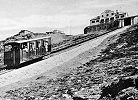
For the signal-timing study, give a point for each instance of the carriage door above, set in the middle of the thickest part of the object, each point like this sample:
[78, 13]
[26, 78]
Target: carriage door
[16, 55]
[49, 44]
[8, 55]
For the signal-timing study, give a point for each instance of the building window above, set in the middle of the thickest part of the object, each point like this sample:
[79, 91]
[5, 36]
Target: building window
[107, 14]
[117, 17]
[93, 21]
[122, 16]
[112, 13]
[102, 15]
[98, 17]
[111, 19]
[102, 21]
[97, 20]
[107, 20]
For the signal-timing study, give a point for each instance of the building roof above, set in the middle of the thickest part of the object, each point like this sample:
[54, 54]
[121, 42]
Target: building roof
[96, 18]
[23, 41]
[129, 17]
[107, 11]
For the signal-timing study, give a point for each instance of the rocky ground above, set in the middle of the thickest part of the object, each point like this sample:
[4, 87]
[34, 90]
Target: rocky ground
[113, 75]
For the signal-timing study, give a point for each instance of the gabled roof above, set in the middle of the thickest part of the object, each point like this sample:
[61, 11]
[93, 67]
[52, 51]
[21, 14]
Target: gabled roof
[107, 11]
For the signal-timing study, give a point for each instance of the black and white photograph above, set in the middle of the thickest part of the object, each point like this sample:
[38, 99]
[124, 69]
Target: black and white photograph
[68, 49]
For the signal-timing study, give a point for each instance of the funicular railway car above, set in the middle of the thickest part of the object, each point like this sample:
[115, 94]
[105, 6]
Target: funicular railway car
[21, 52]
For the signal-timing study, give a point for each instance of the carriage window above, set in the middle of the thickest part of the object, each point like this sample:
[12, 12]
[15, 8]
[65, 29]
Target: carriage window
[46, 45]
[23, 45]
[31, 46]
[8, 48]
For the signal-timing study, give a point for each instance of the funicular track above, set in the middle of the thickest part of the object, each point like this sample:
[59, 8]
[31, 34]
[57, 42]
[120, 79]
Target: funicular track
[61, 48]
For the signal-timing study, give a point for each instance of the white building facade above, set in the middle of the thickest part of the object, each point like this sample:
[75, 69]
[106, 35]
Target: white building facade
[107, 16]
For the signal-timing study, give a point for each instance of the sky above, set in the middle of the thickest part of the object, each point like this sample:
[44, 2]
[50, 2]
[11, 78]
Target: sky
[70, 16]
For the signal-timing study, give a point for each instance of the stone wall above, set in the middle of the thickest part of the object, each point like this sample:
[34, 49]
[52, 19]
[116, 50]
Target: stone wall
[101, 27]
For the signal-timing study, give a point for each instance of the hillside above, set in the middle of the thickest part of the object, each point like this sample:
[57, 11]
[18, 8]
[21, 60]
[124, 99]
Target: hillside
[56, 36]
[111, 75]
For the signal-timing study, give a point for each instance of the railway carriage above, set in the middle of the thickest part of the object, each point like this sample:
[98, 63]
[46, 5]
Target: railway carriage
[20, 52]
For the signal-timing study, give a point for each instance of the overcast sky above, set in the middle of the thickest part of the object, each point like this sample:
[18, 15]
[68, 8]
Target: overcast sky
[69, 15]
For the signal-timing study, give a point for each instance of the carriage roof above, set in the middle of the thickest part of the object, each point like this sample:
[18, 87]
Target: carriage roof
[23, 41]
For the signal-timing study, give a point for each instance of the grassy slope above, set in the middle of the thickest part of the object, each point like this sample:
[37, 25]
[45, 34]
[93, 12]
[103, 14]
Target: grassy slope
[112, 75]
